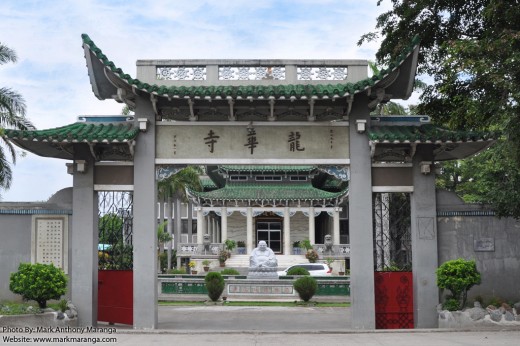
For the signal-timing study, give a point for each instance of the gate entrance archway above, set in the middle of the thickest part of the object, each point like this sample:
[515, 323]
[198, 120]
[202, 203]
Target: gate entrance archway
[254, 112]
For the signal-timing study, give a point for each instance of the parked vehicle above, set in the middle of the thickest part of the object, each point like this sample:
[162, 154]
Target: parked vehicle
[315, 269]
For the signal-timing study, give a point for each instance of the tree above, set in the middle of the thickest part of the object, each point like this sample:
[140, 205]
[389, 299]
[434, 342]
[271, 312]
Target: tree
[38, 282]
[458, 276]
[12, 115]
[175, 187]
[472, 51]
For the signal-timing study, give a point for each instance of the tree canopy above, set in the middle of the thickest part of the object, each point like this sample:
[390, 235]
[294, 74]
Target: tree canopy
[471, 50]
[12, 114]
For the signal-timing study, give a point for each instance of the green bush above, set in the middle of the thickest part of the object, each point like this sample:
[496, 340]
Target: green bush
[298, 271]
[451, 304]
[229, 271]
[306, 287]
[214, 285]
[181, 270]
[458, 276]
[38, 282]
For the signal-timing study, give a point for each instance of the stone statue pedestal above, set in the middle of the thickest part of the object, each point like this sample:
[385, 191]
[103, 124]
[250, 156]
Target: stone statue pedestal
[263, 273]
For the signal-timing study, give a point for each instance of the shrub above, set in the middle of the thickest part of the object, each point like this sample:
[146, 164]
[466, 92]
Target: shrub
[312, 255]
[298, 271]
[229, 271]
[177, 271]
[306, 287]
[214, 285]
[451, 304]
[458, 276]
[38, 282]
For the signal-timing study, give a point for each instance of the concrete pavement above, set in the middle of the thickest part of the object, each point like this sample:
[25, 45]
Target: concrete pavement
[226, 325]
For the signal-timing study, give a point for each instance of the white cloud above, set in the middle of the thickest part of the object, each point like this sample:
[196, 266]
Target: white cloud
[52, 76]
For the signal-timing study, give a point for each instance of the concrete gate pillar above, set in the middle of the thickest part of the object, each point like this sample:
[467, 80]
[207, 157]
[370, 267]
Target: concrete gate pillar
[145, 223]
[84, 271]
[360, 223]
[223, 220]
[312, 231]
[249, 230]
[424, 242]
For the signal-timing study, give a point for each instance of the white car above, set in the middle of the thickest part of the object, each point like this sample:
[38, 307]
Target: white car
[315, 269]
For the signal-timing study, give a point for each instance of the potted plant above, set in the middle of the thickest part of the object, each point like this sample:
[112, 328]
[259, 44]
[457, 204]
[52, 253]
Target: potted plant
[296, 248]
[230, 244]
[205, 265]
[329, 262]
[241, 247]
[312, 255]
[192, 265]
[222, 257]
[306, 245]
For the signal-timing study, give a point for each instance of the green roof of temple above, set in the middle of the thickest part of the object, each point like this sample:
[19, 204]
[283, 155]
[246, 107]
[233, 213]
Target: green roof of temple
[425, 134]
[79, 132]
[255, 91]
[208, 184]
[268, 191]
[267, 168]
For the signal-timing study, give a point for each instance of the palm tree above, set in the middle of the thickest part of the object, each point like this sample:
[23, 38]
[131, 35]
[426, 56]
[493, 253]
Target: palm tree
[12, 115]
[175, 187]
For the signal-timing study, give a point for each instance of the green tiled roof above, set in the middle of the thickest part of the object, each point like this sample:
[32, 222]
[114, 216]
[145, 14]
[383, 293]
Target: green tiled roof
[268, 191]
[208, 184]
[79, 132]
[267, 168]
[425, 134]
[303, 91]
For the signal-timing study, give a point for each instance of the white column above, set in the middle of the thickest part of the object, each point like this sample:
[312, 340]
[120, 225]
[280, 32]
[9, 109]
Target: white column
[214, 229]
[335, 235]
[312, 237]
[223, 220]
[201, 226]
[249, 228]
[287, 231]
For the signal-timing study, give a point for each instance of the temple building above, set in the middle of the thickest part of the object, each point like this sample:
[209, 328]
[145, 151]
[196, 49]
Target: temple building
[290, 151]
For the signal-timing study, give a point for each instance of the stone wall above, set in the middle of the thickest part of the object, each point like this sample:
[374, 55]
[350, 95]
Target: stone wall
[16, 222]
[472, 232]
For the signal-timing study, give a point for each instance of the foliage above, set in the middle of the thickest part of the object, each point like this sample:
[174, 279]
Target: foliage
[306, 287]
[471, 48]
[176, 271]
[163, 260]
[38, 282]
[298, 271]
[458, 276]
[312, 255]
[241, 243]
[451, 304]
[176, 184]
[223, 255]
[490, 177]
[192, 264]
[206, 262]
[296, 244]
[329, 261]
[230, 244]
[119, 254]
[306, 244]
[229, 271]
[214, 285]
[12, 115]
[62, 305]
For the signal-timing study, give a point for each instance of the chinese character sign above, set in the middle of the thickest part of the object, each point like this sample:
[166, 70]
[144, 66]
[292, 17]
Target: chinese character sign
[294, 141]
[210, 140]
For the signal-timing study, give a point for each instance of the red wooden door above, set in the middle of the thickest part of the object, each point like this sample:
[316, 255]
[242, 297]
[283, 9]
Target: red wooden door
[116, 296]
[394, 300]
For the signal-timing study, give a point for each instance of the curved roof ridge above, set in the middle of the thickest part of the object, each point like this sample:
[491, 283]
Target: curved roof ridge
[303, 91]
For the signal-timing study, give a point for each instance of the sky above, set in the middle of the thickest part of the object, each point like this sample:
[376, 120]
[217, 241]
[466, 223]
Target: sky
[51, 71]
